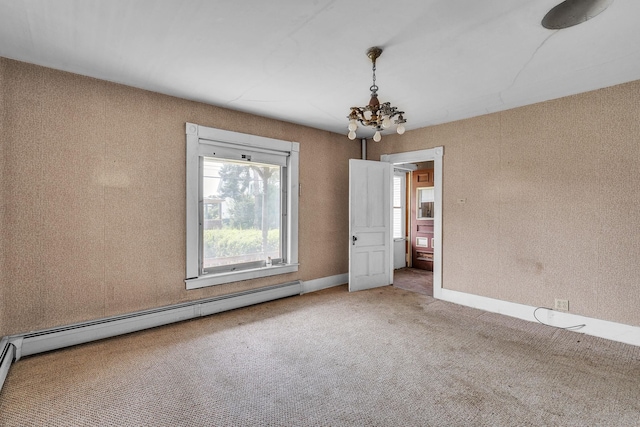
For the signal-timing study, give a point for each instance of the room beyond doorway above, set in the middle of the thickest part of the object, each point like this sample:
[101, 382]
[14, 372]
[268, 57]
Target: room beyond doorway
[413, 226]
[410, 160]
[420, 214]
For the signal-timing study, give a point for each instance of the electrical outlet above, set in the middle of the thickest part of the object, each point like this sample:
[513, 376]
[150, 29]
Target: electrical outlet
[562, 304]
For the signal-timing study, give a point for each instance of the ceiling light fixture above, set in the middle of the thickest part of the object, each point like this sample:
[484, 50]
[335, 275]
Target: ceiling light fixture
[375, 115]
[573, 12]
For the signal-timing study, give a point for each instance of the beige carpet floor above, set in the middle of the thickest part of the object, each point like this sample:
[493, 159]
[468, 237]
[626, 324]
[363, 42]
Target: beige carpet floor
[385, 357]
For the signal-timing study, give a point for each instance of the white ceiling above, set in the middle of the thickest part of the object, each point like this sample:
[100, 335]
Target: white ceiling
[304, 61]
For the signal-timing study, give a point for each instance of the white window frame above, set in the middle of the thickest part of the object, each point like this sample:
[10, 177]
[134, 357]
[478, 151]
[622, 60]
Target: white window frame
[201, 140]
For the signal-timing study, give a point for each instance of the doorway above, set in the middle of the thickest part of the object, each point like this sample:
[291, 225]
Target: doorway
[428, 214]
[413, 228]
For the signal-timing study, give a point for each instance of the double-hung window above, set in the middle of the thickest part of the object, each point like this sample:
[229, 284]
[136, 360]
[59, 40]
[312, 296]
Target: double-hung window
[399, 196]
[242, 206]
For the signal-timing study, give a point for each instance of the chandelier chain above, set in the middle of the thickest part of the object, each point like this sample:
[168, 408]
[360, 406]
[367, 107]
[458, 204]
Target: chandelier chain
[374, 87]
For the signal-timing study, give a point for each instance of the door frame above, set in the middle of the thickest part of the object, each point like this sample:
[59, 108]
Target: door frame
[435, 155]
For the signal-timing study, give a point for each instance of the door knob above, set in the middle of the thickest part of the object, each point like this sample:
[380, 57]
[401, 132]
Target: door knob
[353, 239]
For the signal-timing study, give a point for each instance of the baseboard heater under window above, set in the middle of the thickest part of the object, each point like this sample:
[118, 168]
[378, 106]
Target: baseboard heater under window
[13, 347]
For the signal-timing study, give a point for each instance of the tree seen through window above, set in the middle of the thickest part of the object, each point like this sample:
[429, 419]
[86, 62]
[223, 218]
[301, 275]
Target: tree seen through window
[241, 212]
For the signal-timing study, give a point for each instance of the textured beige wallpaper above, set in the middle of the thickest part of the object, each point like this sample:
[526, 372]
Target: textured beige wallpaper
[2, 197]
[94, 197]
[552, 202]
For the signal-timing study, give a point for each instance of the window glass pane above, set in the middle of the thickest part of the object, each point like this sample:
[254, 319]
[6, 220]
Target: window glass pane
[397, 207]
[397, 223]
[425, 202]
[241, 212]
[397, 191]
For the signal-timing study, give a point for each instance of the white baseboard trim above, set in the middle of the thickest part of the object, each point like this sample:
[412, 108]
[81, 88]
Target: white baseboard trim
[600, 328]
[324, 283]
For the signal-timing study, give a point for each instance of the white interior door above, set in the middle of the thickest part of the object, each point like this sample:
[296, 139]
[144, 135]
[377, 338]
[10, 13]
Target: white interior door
[370, 253]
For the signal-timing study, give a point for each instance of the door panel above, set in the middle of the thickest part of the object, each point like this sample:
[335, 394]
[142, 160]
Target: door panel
[375, 238]
[422, 231]
[370, 224]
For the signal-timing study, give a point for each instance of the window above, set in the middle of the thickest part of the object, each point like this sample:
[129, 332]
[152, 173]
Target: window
[242, 206]
[398, 204]
[243, 226]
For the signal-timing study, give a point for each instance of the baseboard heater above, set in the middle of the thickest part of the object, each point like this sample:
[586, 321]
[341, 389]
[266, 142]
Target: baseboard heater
[7, 353]
[13, 347]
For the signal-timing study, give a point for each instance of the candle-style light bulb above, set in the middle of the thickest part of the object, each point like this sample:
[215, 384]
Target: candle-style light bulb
[377, 137]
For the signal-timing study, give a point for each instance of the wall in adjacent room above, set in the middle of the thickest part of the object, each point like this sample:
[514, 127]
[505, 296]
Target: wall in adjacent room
[93, 197]
[552, 202]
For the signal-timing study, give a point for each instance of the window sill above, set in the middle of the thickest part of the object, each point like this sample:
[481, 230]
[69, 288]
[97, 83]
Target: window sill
[236, 276]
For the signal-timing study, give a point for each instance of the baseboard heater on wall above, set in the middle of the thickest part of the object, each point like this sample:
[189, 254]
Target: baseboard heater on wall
[7, 353]
[13, 347]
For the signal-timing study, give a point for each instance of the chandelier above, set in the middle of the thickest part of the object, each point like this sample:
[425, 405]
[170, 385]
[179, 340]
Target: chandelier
[375, 115]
